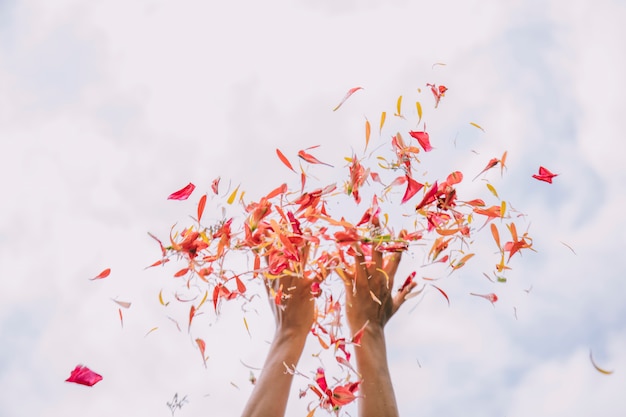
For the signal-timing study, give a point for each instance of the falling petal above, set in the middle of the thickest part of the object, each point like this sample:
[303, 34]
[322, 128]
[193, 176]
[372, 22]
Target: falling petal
[569, 247]
[183, 193]
[544, 175]
[150, 331]
[503, 162]
[192, 313]
[84, 376]
[383, 116]
[419, 111]
[412, 188]
[245, 323]
[215, 185]
[399, 108]
[284, 160]
[347, 96]
[311, 159]
[492, 163]
[442, 293]
[181, 272]
[201, 205]
[105, 273]
[202, 346]
[161, 299]
[492, 189]
[462, 261]
[477, 126]
[231, 199]
[496, 235]
[423, 139]
[602, 371]
[491, 297]
[123, 304]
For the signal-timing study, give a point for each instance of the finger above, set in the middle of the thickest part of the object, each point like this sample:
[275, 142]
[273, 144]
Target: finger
[359, 256]
[377, 258]
[391, 265]
[304, 256]
[401, 296]
[360, 262]
[361, 274]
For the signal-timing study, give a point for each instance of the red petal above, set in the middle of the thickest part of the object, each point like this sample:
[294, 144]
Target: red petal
[201, 205]
[311, 159]
[183, 193]
[284, 160]
[411, 189]
[430, 196]
[423, 139]
[105, 273]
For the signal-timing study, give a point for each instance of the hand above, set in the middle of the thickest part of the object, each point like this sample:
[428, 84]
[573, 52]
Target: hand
[291, 300]
[369, 289]
[295, 313]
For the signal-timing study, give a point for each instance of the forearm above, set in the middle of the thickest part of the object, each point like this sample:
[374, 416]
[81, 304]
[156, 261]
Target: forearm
[376, 395]
[271, 392]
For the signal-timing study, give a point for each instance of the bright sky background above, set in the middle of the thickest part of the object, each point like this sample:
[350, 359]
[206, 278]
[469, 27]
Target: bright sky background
[106, 107]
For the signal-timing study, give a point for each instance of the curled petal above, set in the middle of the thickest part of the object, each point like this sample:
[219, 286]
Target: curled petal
[544, 175]
[424, 140]
[84, 376]
[411, 189]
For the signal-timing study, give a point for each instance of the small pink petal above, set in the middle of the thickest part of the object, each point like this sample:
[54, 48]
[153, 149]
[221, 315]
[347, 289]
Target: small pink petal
[183, 193]
[544, 175]
[84, 376]
[491, 297]
[347, 96]
[215, 184]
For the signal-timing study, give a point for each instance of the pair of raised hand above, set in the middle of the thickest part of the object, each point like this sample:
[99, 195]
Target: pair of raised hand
[369, 299]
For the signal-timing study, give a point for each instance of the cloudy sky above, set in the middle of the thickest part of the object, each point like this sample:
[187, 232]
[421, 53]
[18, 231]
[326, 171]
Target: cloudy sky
[106, 107]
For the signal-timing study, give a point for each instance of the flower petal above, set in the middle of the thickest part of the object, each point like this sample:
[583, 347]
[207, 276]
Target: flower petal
[183, 193]
[84, 376]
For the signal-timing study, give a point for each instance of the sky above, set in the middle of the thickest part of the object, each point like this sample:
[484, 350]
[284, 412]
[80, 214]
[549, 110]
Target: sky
[107, 107]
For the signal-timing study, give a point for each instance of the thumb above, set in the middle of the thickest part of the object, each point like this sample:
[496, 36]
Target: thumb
[401, 296]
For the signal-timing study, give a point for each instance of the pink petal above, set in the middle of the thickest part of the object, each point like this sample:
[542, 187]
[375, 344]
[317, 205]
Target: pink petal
[84, 376]
[347, 96]
[183, 193]
[215, 184]
[544, 175]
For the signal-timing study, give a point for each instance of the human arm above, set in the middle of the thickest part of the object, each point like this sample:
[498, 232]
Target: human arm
[294, 318]
[370, 303]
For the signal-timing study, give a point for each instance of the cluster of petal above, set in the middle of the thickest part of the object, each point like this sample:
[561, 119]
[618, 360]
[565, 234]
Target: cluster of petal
[295, 230]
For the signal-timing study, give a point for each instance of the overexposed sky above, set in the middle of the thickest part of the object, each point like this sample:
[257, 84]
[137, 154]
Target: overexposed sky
[107, 107]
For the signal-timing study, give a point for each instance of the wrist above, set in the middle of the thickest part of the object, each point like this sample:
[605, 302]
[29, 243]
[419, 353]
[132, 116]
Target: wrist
[373, 333]
[369, 327]
[291, 335]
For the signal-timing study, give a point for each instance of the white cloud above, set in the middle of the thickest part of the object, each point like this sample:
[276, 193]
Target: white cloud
[107, 108]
